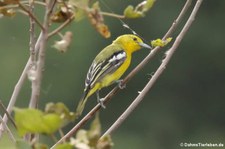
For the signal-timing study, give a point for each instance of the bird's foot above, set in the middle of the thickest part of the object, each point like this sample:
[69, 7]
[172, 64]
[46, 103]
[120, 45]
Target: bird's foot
[120, 84]
[101, 101]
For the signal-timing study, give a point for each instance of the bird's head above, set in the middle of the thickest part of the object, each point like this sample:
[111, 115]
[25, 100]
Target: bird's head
[131, 43]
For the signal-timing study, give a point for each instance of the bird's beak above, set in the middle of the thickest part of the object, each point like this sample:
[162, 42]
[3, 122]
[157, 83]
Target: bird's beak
[144, 45]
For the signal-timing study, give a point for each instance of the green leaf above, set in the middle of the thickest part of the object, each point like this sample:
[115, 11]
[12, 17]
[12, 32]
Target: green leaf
[52, 122]
[148, 5]
[61, 109]
[35, 121]
[160, 42]
[129, 12]
[139, 10]
[28, 120]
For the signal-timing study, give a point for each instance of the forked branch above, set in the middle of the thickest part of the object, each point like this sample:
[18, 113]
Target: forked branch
[135, 71]
[157, 74]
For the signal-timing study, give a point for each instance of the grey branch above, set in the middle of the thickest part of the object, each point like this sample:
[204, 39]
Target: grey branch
[131, 74]
[157, 74]
[19, 86]
[6, 128]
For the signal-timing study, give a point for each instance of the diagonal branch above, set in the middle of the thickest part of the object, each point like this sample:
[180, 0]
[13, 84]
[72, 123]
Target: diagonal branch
[8, 131]
[6, 112]
[113, 15]
[130, 75]
[19, 85]
[33, 52]
[36, 83]
[32, 32]
[31, 15]
[62, 26]
[157, 74]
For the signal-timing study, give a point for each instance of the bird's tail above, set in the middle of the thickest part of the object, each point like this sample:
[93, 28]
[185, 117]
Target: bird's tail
[81, 104]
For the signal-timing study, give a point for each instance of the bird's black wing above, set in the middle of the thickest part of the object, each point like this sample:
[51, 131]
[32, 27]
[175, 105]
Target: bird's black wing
[99, 70]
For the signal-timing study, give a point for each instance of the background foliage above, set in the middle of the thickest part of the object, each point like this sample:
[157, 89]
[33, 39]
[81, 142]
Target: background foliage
[185, 105]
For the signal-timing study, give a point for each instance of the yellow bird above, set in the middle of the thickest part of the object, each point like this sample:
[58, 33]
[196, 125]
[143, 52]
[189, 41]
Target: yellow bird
[109, 65]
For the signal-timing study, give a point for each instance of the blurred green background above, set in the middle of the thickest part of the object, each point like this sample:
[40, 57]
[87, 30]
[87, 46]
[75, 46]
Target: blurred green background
[185, 105]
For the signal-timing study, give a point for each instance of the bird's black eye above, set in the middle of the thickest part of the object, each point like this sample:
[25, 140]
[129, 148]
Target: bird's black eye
[135, 39]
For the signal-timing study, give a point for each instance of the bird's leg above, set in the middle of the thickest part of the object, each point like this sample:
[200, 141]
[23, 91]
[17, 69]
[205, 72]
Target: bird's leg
[100, 100]
[120, 84]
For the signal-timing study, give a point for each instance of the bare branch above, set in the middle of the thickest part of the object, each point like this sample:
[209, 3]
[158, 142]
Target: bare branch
[32, 46]
[7, 129]
[157, 74]
[30, 14]
[67, 22]
[7, 114]
[130, 75]
[32, 33]
[112, 15]
[179, 18]
[19, 85]
[36, 83]
[29, 64]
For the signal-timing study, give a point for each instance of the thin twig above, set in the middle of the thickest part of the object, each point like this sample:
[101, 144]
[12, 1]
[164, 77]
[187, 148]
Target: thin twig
[157, 74]
[23, 76]
[53, 137]
[8, 131]
[8, 7]
[32, 33]
[67, 22]
[35, 2]
[61, 133]
[7, 114]
[31, 15]
[51, 7]
[130, 75]
[155, 50]
[19, 85]
[21, 2]
[36, 83]
[179, 18]
[33, 55]
[32, 45]
[15, 93]
[112, 15]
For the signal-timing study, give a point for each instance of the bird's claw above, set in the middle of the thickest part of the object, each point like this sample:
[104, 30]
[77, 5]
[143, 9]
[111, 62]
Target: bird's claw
[120, 84]
[101, 101]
